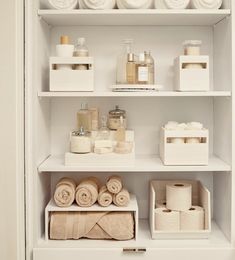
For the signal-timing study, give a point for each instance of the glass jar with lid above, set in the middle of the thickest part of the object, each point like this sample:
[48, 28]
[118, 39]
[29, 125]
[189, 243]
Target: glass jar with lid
[114, 120]
[80, 142]
[192, 47]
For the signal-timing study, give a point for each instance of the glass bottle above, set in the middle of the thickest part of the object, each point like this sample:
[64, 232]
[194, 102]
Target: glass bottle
[192, 48]
[142, 70]
[151, 68]
[122, 61]
[84, 118]
[130, 69]
[81, 51]
[80, 142]
[121, 132]
[104, 133]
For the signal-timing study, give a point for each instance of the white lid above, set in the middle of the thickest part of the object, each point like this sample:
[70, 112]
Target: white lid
[192, 43]
[141, 57]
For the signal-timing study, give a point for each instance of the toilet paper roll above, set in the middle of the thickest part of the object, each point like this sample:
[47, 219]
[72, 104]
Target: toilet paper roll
[160, 204]
[193, 140]
[179, 196]
[167, 220]
[192, 219]
[177, 140]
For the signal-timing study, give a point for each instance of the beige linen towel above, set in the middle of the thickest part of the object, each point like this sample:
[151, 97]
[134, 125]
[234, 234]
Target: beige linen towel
[87, 192]
[114, 184]
[105, 198]
[122, 199]
[92, 225]
[65, 192]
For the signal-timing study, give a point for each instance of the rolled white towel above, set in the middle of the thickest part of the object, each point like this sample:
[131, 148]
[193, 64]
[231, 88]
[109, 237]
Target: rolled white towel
[97, 4]
[171, 4]
[59, 4]
[206, 4]
[135, 4]
[171, 125]
[194, 126]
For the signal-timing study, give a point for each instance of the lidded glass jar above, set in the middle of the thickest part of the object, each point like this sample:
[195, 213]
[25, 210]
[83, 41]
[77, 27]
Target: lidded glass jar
[114, 121]
[80, 142]
[192, 47]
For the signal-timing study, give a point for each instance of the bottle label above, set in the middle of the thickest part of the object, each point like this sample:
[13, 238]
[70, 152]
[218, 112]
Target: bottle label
[142, 74]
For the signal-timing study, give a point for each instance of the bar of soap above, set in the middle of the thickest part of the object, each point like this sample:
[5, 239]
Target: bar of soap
[103, 144]
[103, 150]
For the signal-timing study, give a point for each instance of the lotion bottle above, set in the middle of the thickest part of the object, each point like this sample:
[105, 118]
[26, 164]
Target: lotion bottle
[142, 70]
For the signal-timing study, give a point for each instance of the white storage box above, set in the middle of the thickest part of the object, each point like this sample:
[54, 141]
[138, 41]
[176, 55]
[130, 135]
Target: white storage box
[200, 197]
[72, 159]
[191, 79]
[52, 207]
[185, 153]
[71, 80]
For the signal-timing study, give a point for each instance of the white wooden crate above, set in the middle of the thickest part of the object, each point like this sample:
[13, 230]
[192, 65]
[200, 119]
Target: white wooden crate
[132, 207]
[71, 80]
[73, 159]
[184, 154]
[200, 197]
[187, 79]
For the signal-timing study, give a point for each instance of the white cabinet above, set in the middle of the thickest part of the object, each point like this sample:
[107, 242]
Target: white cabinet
[50, 116]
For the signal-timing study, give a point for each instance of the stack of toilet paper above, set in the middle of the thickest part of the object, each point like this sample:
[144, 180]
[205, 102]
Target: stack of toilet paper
[177, 212]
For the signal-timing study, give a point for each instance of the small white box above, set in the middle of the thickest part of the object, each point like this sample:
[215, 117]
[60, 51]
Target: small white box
[194, 79]
[184, 154]
[52, 207]
[71, 80]
[200, 197]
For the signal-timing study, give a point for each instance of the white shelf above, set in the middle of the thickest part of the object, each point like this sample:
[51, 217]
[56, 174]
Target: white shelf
[142, 163]
[136, 94]
[133, 17]
[132, 206]
[216, 240]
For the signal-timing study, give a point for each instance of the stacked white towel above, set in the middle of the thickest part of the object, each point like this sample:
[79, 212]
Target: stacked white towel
[60, 4]
[97, 4]
[171, 4]
[134, 4]
[206, 4]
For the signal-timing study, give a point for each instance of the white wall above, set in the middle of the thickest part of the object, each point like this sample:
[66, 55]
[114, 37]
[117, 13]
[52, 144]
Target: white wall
[11, 131]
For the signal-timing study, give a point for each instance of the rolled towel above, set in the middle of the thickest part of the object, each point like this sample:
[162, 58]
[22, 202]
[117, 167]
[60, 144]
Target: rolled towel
[97, 4]
[105, 197]
[194, 126]
[134, 4]
[171, 4]
[114, 184]
[122, 199]
[64, 194]
[206, 4]
[60, 4]
[87, 192]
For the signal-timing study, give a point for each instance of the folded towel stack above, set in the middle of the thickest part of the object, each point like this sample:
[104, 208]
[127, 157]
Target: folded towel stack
[92, 225]
[65, 192]
[134, 4]
[97, 4]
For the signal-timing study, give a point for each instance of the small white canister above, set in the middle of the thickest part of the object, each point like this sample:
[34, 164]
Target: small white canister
[80, 142]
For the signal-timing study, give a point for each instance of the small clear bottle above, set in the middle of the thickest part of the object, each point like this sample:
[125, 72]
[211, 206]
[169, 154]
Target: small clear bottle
[104, 132]
[81, 50]
[192, 48]
[142, 70]
[122, 61]
[84, 118]
[151, 67]
[121, 132]
[131, 69]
